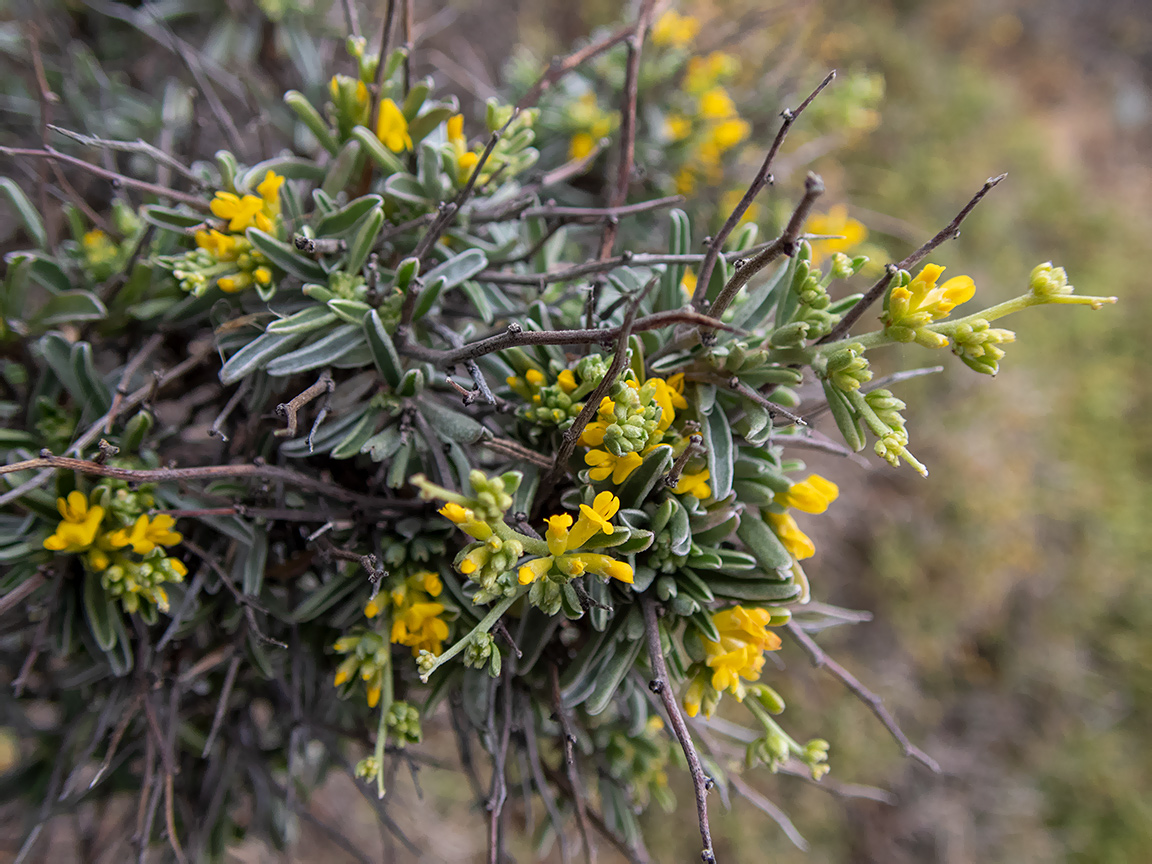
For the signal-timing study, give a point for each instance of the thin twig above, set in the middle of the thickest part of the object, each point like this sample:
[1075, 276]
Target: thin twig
[137, 146]
[533, 750]
[516, 450]
[661, 686]
[763, 178]
[25, 589]
[221, 705]
[577, 792]
[126, 378]
[762, 803]
[216, 430]
[289, 410]
[948, 232]
[875, 703]
[192, 201]
[787, 244]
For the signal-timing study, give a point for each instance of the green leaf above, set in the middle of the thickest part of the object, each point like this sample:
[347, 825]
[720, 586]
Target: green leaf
[322, 352]
[94, 392]
[71, 306]
[383, 351]
[347, 216]
[353, 442]
[752, 590]
[361, 245]
[289, 167]
[256, 354]
[427, 297]
[419, 128]
[177, 221]
[311, 118]
[611, 674]
[378, 153]
[49, 274]
[671, 295]
[343, 168]
[248, 570]
[458, 268]
[286, 257]
[762, 542]
[99, 611]
[411, 384]
[718, 440]
[450, 424]
[325, 597]
[414, 101]
[634, 491]
[304, 321]
[28, 215]
[351, 311]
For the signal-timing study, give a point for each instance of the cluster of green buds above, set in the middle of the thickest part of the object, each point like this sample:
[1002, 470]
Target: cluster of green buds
[847, 368]
[513, 153]
[556, 403]
[135, 581]
[976, 343]
[489, 561]
[480, 651]
[403, 721]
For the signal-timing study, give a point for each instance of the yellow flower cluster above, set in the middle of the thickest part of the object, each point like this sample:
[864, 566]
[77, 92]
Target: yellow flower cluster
[590, 123]
[673, 30]
[910, 308]
[416, 617]
[564, 539]
[392, 127]
[711, 124]
[225, 257]
[368, 656]
[668, 395]
[79, 533]
[744, 637]
[466, 160]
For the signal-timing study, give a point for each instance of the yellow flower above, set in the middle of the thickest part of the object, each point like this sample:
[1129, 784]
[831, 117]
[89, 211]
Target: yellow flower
[744, 638]
[392, 128]
[594, 520]
[419, 626]
[798, 544]
[675, 30]
[373, 608]
[677, 127]
[605, 465]
[269, 190]
[78, 526]
[566, 380]
[835, 221]
[922, 301]
[728, 133]
[694, 484]
[466, 520]
[686, 180]
[704, 72]
[241, 213]
[809, 496]
[563, 539]
[455, 130]
[465, 164]
[144, 536]
[716, 104]
[580, 145]
[221, 246]
[688, 285]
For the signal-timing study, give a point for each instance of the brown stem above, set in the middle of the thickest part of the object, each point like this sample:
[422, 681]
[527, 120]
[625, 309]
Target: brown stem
[289, 410]
[875, 704]
[577, 792]
[126, 378]
[763, 178]
[661, 686]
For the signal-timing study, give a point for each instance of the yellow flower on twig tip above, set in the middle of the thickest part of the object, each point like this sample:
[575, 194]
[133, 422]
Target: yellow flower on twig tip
[78, 526]
[145, 535]
[241, 213]
[694, 484]
[269, 190]
[605, 465]
[674, 29]
[392, 128]
[922, 301]
[563, 540]
[744, 638]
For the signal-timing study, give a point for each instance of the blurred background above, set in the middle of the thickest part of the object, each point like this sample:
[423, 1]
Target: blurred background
[1012, 629]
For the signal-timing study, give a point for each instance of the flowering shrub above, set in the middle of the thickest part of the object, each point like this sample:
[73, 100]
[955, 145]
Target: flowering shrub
[466, 455]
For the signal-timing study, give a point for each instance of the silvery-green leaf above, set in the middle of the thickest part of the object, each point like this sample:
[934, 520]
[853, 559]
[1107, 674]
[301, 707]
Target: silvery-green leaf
[28, 215]
[321, 352]
[344, 219]
[69, 307]
[256, 354]
[304, 321]
[286, 257]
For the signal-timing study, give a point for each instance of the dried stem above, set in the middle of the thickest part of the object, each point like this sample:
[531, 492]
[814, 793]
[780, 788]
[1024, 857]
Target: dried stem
[875, 704]
[126, 379]
[289, 410]
[137, 146]
[763, 178]
[577, 792]
[661, 686]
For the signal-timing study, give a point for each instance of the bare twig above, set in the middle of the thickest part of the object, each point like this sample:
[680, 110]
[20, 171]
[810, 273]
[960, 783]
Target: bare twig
[221, 705]
[949, 232]
[516, 450]
[787, 244]
[875, 704]
[216, 430]
[661, 686]
[769, 808]
[193, 201]
[25, 589]
[577, 792]
[126, 378]
[533, 750]
[137, 146]
[763, 178]
[288, 410]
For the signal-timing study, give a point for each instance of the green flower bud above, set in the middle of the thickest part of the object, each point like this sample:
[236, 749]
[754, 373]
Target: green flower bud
[790, 335]
[1048, 281]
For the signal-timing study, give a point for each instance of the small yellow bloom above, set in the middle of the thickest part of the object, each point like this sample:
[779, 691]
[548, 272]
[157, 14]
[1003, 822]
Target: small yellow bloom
[716, 104]
[603, 565]
[392, 128]
[466, 163]
[532, 570]
[744, 638]
[729, 133]
[798, 544]
[694, 484]
[688, 284]
[374, 606]
[456, 513]
[262, 275]
[677, 127]
[675, 30]
[580, 145]
[455, 129]
[594, 520]
[835, 221]
[566, 380]
[241, 213]
[145, 535]
[605, 465]
[269, 190]
[693, 696]
[922, 301]
[222, 246]
[79, 524]
[809, 496]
